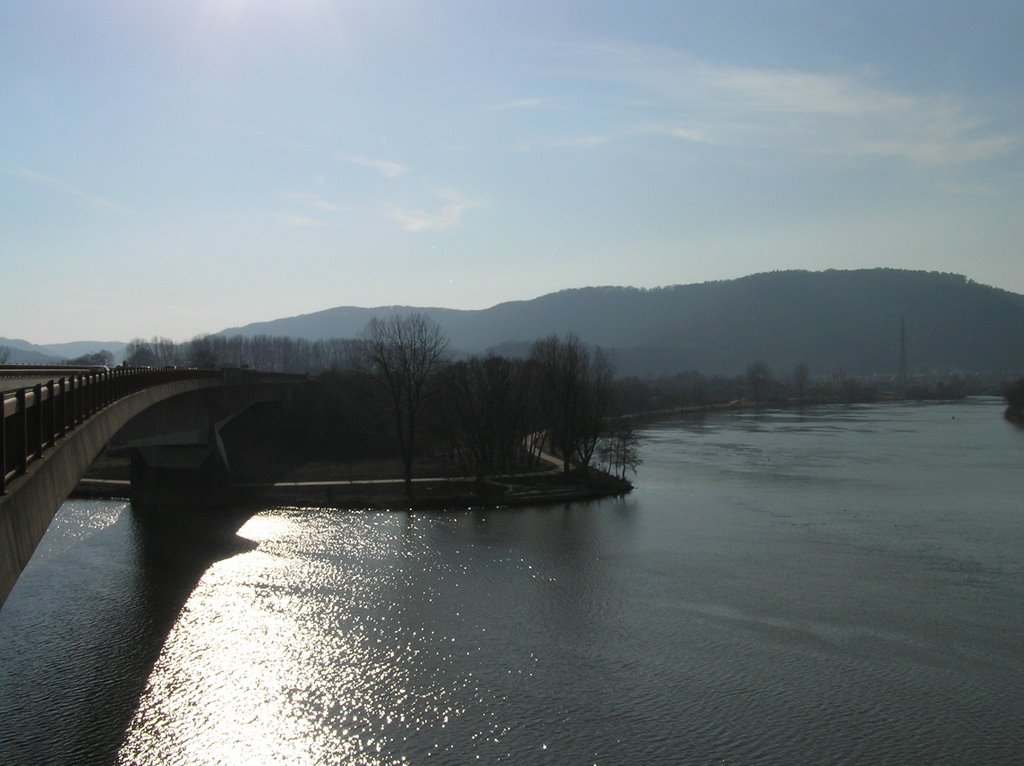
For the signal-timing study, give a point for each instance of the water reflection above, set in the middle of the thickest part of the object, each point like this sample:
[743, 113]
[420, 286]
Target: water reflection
[286, 657]
[95, 610]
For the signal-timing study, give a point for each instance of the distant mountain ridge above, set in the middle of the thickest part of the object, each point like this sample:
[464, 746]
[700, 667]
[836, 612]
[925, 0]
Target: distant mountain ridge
[23, 352]
[828, 320]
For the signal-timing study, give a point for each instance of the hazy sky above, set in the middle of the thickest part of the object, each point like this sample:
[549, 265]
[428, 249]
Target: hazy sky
[182, 166]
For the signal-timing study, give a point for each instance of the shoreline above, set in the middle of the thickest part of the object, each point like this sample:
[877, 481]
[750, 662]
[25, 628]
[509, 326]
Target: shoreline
[780, 405]
[429, 493]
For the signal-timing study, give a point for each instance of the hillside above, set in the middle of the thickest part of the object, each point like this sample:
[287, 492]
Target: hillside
[826, 320]
[23, 352]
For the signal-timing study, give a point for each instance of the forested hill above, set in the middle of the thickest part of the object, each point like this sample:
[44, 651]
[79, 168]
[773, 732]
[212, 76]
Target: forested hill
[826, 320]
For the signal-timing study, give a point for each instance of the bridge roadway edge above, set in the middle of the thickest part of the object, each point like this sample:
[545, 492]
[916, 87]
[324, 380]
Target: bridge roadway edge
[32, 499]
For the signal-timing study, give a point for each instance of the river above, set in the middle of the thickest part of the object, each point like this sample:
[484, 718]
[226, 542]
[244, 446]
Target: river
[840, 586]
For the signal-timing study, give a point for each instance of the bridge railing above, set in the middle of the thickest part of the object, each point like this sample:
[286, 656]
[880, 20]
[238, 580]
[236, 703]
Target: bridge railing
[34, 418]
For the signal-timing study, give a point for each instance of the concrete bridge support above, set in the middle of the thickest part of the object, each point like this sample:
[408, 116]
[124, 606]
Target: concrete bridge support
[177, 456]
[32, 499]
[179, 477]
[170, 431]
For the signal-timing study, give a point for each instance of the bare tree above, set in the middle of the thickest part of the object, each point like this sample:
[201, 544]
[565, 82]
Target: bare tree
[402, 354]
[800, 378]
[262, 352]
[487, 412]
[202, 352]
[573, 388]
[1015, 401]
[156, 352]
[620, 449]
[5, 354]
[758, 376]
[102, 358]
[139, 353]
[595, 404]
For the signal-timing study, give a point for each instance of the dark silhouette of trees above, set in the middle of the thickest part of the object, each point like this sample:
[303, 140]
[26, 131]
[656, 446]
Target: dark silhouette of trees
[596, 401]
[758, 377]
[393, 386]
[573, 390]
[5, 354]
[633, 395]
[262, 352]
[403, 354]
[801, 377]
[138, 354]
[102, 358]
[619, 450]
[157, 352]
[488, 414]
[201, 353]
[1015, 401]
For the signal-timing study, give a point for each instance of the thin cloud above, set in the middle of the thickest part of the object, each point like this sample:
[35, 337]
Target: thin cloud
[587, 141]
[293, 221]
[846, 114]
[315, 202]
[445, 217]
[386, 168]
[93, 200]
[517, 103]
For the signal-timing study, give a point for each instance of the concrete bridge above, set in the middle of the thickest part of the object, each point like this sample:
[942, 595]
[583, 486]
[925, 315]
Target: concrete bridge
[168, 421]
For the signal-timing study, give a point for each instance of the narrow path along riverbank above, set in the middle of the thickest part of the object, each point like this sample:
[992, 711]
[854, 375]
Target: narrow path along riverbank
[377, 485]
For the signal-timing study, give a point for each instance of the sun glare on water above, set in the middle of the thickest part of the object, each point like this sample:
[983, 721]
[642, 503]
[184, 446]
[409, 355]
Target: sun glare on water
[257, 671]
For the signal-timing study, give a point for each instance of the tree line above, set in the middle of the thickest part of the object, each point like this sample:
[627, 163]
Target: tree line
[760, 386]
[395, 390]
[495, 414]
[261, 352]
[1014, 396]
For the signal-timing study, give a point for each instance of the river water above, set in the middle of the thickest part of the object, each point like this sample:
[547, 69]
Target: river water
[840, 586]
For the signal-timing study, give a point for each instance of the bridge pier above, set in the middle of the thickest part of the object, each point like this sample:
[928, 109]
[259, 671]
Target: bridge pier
[166, 420]
[179, 477]
[177, 456]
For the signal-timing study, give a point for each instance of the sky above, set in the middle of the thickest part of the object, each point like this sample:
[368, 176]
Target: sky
[177, 167]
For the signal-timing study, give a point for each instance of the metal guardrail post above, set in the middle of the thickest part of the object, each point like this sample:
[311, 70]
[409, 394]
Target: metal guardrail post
[82, 401]
[21, 416]
[38, 437]
[3, 447]
[63, 407]
[69, 408]
[51, 410]
[79, 398]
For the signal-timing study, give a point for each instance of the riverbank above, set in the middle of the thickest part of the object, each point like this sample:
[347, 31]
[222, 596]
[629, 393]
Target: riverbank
[441, 494]
[376, 485]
